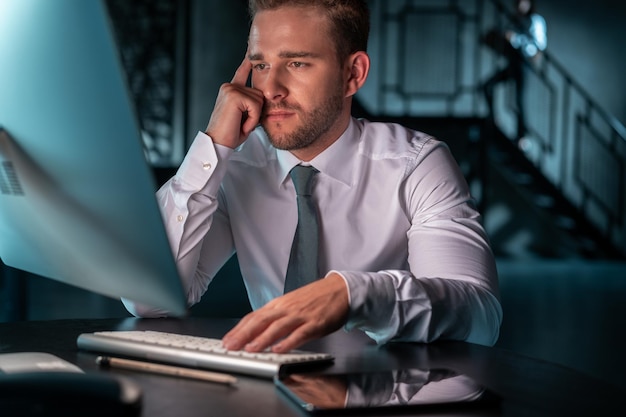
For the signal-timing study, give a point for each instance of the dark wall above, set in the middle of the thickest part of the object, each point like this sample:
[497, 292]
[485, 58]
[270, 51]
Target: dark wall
[219, 37]
[588, 38]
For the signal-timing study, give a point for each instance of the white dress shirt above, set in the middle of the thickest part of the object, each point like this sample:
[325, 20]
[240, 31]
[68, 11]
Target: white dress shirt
[396, 218]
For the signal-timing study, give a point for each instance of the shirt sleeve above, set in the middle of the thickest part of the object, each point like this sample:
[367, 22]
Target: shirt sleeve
[451, 290]
[190, 208]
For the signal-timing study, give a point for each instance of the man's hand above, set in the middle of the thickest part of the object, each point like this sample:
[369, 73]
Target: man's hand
[297, 317]
[237, 109]
[325, 391]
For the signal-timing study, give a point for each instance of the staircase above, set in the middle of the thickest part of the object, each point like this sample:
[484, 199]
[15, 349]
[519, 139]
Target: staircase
[561, 229]
[564, 195]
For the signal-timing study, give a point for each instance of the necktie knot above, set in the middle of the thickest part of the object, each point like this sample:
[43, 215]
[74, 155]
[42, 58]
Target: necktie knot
[302, 177]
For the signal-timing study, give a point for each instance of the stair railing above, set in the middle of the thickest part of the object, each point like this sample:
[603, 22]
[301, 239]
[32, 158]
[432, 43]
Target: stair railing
[430, 62]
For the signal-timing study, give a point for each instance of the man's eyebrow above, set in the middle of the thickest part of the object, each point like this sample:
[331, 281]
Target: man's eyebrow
[298, 54]
[285, 54]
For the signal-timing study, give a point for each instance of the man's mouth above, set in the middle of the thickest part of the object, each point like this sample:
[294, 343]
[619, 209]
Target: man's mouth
[278, 115]
[278, 111]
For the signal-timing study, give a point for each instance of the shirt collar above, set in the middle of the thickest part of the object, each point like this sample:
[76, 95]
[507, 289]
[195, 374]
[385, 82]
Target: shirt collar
[336, 161]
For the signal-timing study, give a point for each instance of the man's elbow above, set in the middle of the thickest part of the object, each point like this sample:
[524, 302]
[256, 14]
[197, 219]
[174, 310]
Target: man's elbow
[485, 328]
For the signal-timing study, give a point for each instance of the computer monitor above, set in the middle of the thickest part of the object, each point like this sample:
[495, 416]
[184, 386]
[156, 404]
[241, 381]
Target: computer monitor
[77, 200]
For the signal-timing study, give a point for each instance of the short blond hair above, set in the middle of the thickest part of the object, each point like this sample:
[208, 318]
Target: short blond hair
[350, 20]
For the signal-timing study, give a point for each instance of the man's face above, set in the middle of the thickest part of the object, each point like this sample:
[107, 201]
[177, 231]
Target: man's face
[295, 65]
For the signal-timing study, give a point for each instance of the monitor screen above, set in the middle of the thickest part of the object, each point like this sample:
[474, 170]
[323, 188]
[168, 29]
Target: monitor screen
[77, 199]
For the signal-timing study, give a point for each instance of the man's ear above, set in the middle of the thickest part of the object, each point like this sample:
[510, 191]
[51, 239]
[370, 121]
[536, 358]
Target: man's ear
[357, 67]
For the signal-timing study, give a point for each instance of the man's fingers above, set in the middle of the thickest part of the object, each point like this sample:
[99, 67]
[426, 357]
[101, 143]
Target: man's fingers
[295, 339]
[294, 318]
[261, 329]
[250, 120]
[236, 113]
[242, 73]
[248, 328]
[276, 331]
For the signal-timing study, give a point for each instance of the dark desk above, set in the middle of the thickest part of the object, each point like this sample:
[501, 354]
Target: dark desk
[526, 386]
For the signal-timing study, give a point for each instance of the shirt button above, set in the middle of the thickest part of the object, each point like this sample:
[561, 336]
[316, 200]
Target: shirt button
[206, 166]
[180, 218]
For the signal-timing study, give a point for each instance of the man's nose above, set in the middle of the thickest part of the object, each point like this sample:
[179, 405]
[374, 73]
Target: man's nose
[272, 85]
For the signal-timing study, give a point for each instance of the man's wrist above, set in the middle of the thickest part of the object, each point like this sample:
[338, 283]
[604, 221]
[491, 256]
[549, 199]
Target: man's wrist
[215, 139]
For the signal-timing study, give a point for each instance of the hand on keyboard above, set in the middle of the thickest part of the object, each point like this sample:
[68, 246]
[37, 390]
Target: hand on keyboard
[293, 319]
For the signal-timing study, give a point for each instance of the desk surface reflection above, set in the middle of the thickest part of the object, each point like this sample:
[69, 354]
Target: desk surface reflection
[523, 386]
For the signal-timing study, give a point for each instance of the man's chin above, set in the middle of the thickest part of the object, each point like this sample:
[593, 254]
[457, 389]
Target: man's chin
[289, 138]
[282, 144]
[279, 138]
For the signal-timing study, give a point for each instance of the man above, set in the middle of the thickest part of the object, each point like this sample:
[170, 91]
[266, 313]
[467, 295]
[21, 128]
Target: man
[401, 252]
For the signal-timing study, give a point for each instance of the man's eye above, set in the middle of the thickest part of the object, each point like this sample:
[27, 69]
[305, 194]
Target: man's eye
[298, 64]
[260, 67]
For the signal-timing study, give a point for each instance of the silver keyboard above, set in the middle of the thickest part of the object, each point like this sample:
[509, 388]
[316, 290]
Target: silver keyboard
[197, 352]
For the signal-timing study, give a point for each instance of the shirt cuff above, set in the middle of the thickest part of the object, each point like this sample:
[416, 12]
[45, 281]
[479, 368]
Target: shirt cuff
[372, 300]
[204, 160]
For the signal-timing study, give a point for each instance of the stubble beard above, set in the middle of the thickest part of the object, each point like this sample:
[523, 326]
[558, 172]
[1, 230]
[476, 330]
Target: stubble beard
[314, 124]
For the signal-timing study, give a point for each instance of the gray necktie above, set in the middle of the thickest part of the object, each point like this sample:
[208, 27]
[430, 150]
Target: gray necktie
[302, 268]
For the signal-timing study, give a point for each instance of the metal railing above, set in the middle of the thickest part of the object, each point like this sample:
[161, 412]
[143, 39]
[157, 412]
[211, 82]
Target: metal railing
[431, 62]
